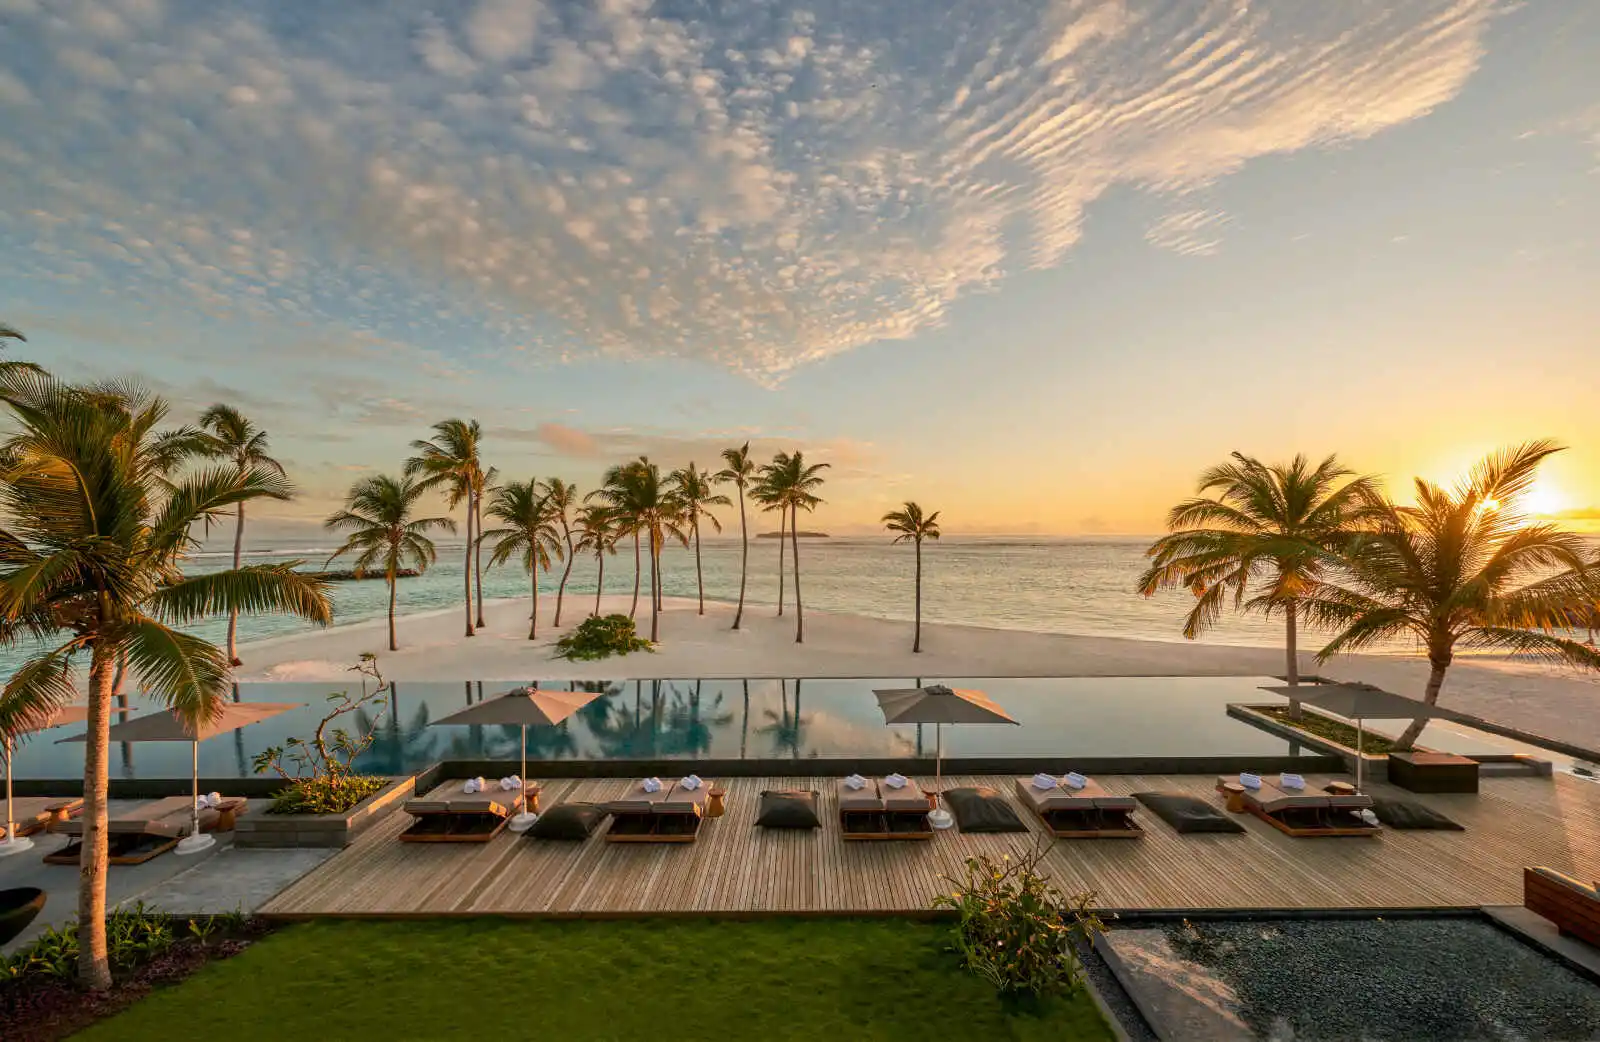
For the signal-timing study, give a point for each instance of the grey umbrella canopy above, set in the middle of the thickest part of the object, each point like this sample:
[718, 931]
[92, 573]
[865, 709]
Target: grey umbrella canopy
[939, 705]
[1359, 702]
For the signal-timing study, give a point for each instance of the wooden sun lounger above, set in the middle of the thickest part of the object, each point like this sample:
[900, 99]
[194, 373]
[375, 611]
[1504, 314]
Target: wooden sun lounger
[880, 812]
[32, 814]
[671, 815]
[1305, 814]
[147, 830]
[449, 815]
[1087, 813]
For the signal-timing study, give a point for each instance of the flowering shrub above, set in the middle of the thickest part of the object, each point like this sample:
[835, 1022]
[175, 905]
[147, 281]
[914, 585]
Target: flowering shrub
[1017, 930]
[323, 779]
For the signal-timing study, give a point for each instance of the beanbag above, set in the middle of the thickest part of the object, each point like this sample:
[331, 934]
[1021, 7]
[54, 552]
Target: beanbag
[1186, 814]
[788, 809]
[575, 821]
[982, 810]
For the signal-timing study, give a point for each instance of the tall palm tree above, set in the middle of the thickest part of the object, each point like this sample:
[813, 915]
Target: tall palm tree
[449, 461]
[765, 492]
[911, 526]
[234, 438]
[529, 530]
[645, 503]
[692, 489]
[378, 514]
[11, 333]
[597, 533]
[793, 486]
[1269, 529]
[740, 470]
[1465, 566]
[562, 496]
[95, 530]
[613, 493]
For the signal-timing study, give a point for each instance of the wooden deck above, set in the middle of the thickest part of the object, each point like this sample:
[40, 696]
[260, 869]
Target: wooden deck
[737, 869]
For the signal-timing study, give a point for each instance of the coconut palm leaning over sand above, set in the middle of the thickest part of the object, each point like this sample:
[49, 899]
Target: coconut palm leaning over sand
[234, 438]
[738, 469]
[562, 496]
[692, 490]
[450, 461]
[791, 484]
[1274, 529]
[97, 522]
[528, 529]
[598, 534]
[909, 525]
[1467, 567]
[383, 533]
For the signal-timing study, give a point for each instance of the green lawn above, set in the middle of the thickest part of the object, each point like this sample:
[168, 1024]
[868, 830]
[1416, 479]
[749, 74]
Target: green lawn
[654, 981]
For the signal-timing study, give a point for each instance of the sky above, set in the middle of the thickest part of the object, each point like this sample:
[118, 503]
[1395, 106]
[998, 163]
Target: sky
[1032, 263]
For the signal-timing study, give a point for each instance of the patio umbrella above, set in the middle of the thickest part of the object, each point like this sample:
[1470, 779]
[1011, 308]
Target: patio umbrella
[1358, 702]
[938, 705]
[171, 727]
[522, 706]
[61, 715]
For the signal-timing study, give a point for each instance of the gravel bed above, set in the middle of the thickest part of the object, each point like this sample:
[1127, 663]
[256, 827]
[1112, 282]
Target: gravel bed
[1116, 999]
[1412, 979]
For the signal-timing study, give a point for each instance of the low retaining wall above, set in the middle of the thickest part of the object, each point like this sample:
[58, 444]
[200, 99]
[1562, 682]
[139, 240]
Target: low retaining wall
[322, 830]
[1375, 768]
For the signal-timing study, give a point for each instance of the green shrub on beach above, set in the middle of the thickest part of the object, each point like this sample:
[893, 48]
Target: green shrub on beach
[601, 636]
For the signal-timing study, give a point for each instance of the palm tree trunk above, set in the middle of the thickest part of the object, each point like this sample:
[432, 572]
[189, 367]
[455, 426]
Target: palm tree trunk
[600, 583]
[94, 969]
[744, 727]
[783, 517]
[699, 576]
[233, 616]
[477, 553]
[533, 628]
[1430, 696]
[655, 606]
[561, 591]
[1292, 666]
[799, 608]
[634, 611]
[916, 640]
[467, 567]
[393, 644]
[744, 559]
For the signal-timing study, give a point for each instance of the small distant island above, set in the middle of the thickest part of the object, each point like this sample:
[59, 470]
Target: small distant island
[349, 575]
[785, 535]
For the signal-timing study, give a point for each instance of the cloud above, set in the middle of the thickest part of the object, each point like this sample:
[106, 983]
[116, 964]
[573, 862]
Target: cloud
[1190, 232]
[751, 185]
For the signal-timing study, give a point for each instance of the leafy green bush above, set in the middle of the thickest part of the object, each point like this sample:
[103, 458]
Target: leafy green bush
[133, 935]
[1017, 930]
[324, 781]
[601, 637]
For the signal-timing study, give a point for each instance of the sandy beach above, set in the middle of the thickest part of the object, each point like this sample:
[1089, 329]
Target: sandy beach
[1533, 697]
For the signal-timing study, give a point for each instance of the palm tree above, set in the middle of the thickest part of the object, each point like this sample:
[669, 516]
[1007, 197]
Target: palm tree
[597, 532]
[791, 485]
[739, 469]
[1464, 566]
[530, 531]
[236, 439]
[911, 526]
[1273, 528]
[645, 504]
[562, 497]
[613, 493]
[378, 515]
[11, 333]
[95, 531]
[765, 493]
[692, 489]
[450, 461]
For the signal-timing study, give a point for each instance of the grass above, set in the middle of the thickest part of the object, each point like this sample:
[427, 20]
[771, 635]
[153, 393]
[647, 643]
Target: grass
[1333, 730]
[586, 981]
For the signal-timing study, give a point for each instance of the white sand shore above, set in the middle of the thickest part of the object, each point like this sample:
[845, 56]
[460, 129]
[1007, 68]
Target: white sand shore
[432, 647]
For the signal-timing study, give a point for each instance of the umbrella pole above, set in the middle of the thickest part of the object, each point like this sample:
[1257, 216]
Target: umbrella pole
[13, 843]
[1361, 744]
[939, 818]
[195, 841]
[523, 820]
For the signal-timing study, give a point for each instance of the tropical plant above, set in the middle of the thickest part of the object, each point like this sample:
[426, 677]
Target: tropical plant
[528, 532]
[791, 484]
[449, 461]
[601, 636]
[692, 490]
[597, 534]
[563, 497]
[764, 492]
[1464, 567]
[740, 470]
[234, 438]
[1016, 929]
[96, 527]
[644, 503]
[324, 780]
[383, 533]
[910, 526]
[613, 493]
[1272, 530]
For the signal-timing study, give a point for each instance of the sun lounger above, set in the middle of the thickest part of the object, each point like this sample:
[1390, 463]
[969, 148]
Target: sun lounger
[1304, 813]
[31, 814]
[1087, 813]
[670, 815]
[449, 815]
[879, 811]
[135, 836]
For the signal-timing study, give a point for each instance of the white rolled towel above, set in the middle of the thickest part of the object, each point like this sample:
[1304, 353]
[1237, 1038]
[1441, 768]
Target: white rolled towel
[1044, 781]
[1291, 781]
[1074, 780]
[203, 801]
[473, 785]
[855, 782]
[651, 785]
[895, 781]
[690, 782]
[1368, 817]
[1249, 781]
[511, 784]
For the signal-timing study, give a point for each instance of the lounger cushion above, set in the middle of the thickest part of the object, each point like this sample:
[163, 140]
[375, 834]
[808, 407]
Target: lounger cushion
[864, 799]
[909, 798]
[788, 809]
[575, 821]
[983, 809]
[1403, 814]
[1187, 814]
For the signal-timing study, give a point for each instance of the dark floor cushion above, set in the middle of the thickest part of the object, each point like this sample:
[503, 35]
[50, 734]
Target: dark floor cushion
[568, 821]
[1187, 814]
[982, 810]
[788, 809]
[1403, 814]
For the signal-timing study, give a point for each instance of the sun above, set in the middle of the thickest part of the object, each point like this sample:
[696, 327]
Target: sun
[1543, 499]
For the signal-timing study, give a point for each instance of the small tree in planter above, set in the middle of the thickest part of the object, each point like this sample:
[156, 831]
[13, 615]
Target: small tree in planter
[323, 780]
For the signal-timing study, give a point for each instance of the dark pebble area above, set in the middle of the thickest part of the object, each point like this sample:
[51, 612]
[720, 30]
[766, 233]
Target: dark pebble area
[1413, 979]
[1110, 991]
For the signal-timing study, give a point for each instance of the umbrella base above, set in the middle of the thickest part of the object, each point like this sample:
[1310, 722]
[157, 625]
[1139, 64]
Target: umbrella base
[522, 822]
[941, 818]
[15, 845]
[198, 843]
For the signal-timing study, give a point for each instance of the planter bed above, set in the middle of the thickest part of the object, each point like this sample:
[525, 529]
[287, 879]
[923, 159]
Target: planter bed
[323, 830]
